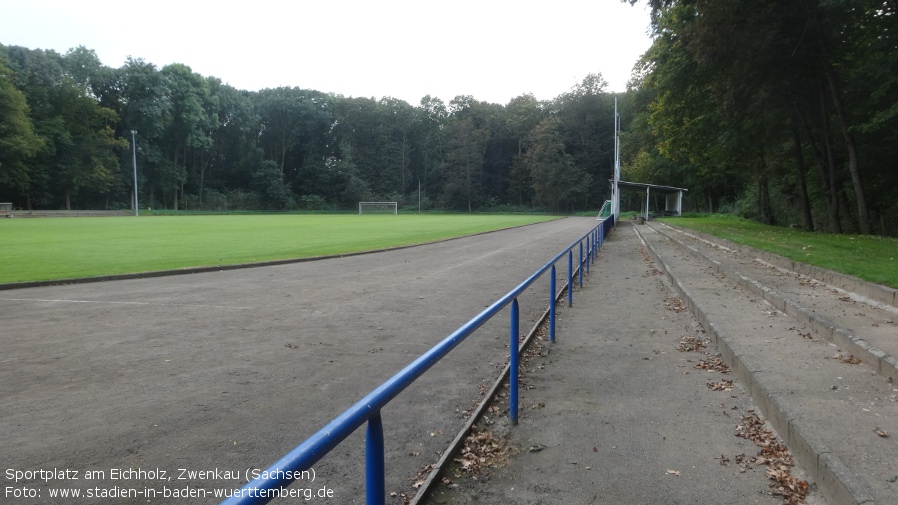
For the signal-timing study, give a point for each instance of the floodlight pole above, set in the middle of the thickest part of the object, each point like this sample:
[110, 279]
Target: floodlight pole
[134, 161]
[419, 193]
[615, 189]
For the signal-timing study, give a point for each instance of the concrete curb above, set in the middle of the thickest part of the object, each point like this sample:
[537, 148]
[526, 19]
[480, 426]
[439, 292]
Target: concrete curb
[824, 467]
[884, 364]
[180, 271]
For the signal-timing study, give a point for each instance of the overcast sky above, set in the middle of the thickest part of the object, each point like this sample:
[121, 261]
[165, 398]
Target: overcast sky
[491, 49]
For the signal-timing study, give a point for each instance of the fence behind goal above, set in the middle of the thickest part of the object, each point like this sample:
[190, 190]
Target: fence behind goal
[378, 208]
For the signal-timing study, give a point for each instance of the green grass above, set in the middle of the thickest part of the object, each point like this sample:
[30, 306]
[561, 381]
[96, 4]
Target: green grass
[65, 248]
[872, 258]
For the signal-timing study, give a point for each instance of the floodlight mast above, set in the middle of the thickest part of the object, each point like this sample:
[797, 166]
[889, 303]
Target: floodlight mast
[134, 162]
[615, 191]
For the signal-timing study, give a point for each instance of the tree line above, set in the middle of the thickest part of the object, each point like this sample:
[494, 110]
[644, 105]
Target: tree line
[785, 111]
[66, 143]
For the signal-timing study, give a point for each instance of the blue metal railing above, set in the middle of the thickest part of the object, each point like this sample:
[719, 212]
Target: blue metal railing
[284, 471]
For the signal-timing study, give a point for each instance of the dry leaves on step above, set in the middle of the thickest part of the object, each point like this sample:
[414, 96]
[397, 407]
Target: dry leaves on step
[691, 344]
[713, 364]
[724, 385]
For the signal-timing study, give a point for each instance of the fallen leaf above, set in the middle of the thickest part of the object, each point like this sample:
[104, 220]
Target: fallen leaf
[881, 433]
[690, 344]
[714, 364]
[673, 472]
[850, 359]
[775, 456]
[724, 385]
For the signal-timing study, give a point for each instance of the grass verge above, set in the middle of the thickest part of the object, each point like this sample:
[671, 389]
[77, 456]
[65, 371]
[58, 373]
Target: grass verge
[872, 258]
[65, 248]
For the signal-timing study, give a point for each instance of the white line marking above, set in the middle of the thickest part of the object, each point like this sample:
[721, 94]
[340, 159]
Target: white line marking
[123, 303]
[497, 251]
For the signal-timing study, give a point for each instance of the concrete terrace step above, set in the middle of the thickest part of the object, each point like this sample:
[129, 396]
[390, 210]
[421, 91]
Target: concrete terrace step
[875, 292]
[828, 411]
[855, 315]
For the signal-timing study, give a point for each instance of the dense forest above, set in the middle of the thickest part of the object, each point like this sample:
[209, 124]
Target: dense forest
[204, 145]
[784, 111]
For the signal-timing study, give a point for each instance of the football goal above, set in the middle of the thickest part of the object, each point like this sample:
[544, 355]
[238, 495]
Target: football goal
[378, 208]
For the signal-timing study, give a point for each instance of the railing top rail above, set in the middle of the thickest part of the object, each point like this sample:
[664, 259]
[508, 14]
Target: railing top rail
[316, 446]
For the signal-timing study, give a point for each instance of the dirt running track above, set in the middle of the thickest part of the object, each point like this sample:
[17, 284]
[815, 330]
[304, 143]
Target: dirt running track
[230, 370]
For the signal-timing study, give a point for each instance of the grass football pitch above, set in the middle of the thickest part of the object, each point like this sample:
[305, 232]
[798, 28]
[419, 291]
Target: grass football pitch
[66, 248]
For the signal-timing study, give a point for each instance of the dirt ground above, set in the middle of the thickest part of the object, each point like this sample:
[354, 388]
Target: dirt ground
[146, 383]
[636, 423]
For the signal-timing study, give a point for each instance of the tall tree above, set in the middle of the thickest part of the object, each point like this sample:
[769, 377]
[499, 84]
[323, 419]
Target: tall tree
[189, 133]
[464, 163]
[757, 69]
[557, 180]
[587, 124]
[432, 119]
[87, 155]
[524, 112]
[148, 110]
[18, 141]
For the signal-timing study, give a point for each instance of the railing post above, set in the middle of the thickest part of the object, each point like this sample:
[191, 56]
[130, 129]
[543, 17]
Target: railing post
[598, 242]
[595, 251]
[513, 365]
[552, 306]
[580, 266]
[570, 278]
[375, 489]
[588, 252]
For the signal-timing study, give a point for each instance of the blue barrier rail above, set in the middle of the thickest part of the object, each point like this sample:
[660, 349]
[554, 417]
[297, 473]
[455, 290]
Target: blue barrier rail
[285, 470]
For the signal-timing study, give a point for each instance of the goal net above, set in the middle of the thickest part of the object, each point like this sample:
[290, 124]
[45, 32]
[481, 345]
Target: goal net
[605, 211]
[378, 208]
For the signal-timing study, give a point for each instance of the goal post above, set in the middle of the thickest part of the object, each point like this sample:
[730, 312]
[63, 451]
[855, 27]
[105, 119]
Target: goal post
[605, 211]
[378, 208]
